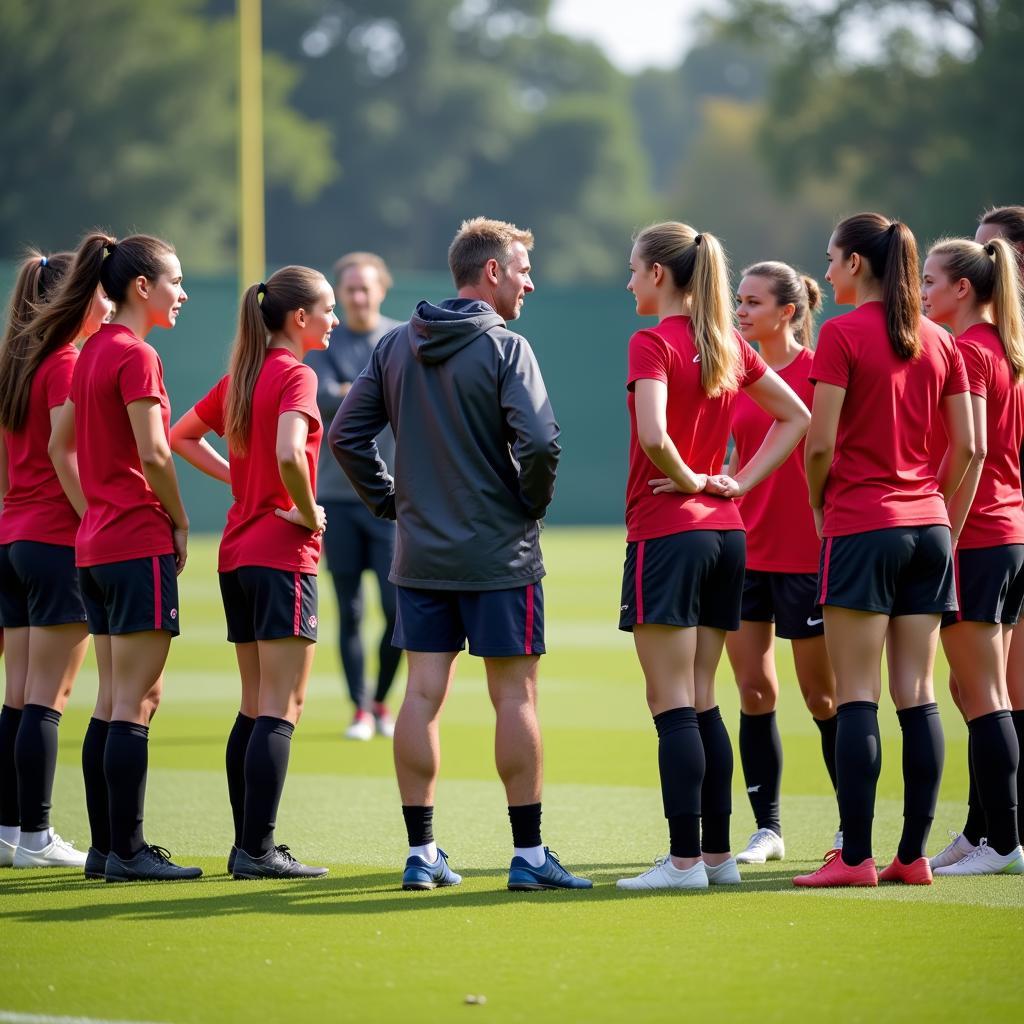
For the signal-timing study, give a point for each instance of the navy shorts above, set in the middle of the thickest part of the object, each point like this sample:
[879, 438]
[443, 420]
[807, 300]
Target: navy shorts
[497, 623]
[357, 540]
[693, 578]
[131, 596]
[903, 570]
[989, 585]
[39, 585]
[268, 604]
[789, 599]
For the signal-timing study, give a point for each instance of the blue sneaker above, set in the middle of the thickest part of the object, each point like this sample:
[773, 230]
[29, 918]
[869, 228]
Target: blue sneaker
[419, 874]
[522, 877]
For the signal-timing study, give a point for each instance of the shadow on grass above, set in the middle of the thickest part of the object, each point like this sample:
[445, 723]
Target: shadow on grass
[376, 892]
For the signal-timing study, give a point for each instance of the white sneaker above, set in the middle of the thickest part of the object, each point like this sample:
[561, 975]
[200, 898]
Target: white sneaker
[764, 845]
[664, 875]
[361, 727]
[983, 860]
[726, 873]
[954, 853]
[7, 853]
[384, 723]
[57, 854]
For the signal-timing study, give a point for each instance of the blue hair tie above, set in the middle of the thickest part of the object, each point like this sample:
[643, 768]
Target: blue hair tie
[43, 261]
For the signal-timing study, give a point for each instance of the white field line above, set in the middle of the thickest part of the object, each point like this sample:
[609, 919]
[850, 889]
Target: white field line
[9, 1017]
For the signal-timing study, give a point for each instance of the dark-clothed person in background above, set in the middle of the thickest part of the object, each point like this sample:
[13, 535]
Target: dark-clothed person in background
[358, 541]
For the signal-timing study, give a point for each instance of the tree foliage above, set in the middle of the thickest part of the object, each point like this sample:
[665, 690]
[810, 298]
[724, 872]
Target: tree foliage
[124, 115]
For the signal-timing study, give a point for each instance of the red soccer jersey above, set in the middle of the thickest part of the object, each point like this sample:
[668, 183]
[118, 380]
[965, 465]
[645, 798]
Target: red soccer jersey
[881, 475]
[780, 526]
[254, 534]
[35, 507]
[997, 512]
[123, 518]
[698, 426]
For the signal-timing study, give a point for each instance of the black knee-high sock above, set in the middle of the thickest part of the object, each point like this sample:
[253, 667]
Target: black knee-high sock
[828, 727]
[234, 757]
[716, 793]
[681, 767]
[761, 757]
[974, 826]
[35, 753]
[1018, 728]
[96, 803]
[126, 765]
[996, 758]
[924, 750]
[858, 764]
[10, 721]
[266, 765]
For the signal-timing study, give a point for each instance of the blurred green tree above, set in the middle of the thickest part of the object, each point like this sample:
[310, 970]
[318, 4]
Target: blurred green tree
[446, 109]
[123, 114]
[920, 129]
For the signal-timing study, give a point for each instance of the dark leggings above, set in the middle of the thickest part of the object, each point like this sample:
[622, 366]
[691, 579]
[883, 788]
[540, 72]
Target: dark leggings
[361, 542]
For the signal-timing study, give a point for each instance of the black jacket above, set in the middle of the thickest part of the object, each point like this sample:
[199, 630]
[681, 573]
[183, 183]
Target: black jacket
[476, 446]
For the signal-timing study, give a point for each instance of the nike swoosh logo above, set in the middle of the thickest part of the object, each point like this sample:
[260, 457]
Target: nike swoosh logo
[696, 358]
[623, 607]
[753, 789]
[815, 622]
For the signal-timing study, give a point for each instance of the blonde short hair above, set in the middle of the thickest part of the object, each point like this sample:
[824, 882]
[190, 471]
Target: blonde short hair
[479, 240]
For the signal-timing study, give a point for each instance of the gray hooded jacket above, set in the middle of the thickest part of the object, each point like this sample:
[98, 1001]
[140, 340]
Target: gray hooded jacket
[476, 446]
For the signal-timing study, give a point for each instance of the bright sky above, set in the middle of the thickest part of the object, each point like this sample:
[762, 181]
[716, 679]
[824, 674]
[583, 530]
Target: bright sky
[636, 33]
[640, 33]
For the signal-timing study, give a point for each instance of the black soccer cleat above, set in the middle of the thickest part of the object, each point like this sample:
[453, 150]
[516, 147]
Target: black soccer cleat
[95, 864]
[276, 863]
[231, 860]
[150, 864]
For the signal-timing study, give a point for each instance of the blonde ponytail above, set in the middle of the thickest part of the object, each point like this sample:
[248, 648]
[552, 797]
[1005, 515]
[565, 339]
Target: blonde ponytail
[699, 268]
[991, 270]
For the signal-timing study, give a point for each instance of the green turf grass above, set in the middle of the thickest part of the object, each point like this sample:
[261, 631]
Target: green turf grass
[354, 947]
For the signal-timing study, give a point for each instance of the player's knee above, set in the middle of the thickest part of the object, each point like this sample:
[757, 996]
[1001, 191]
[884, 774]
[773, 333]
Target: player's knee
[757, 695]
[820, 705]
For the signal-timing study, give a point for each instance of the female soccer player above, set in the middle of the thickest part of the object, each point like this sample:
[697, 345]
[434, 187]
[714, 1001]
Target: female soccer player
[683, 576]
[775, 308]
[884, 378]
[1008, 222]
[133, 539]
[40, 604]
[266, 407]
[974, 290]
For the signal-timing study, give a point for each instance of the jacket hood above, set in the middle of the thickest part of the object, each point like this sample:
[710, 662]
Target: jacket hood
[438, 332]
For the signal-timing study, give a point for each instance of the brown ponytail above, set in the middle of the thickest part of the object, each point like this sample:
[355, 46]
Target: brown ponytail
[699, 268]
[264, 309]
[991, 270]
[890, 250]
[37, 277]
[790, 286]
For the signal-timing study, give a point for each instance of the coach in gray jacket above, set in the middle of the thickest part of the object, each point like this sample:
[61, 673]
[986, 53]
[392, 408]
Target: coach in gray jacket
[476, 447]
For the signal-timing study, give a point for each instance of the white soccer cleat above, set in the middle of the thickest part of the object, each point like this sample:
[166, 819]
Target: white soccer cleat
[764, 845]
[954, 853]
[983, 860]
[361, 727]
[726, 873]
[664, 875]
[58, 853]
[384, 724]
[7, 853]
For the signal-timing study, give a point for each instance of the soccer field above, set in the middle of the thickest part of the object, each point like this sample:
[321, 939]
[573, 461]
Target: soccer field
[353, 946]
